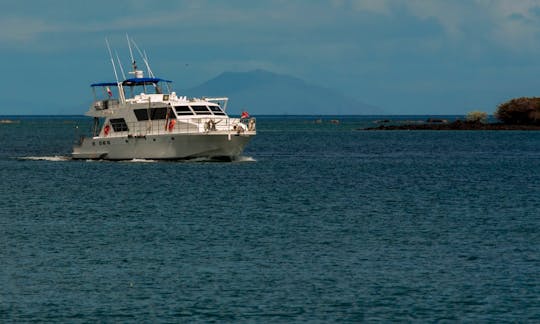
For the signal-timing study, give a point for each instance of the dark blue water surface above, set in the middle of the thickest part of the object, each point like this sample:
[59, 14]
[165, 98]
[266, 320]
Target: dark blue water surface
[328, 223]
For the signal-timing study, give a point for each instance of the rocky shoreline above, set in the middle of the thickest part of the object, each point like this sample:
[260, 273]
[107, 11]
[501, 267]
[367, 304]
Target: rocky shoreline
[456, 125]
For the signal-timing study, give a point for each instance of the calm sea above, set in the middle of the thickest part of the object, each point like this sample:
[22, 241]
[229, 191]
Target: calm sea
[318, 223]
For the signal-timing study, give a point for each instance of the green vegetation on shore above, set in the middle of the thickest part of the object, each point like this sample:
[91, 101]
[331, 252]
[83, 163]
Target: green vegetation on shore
[516, 114]
[519, 111]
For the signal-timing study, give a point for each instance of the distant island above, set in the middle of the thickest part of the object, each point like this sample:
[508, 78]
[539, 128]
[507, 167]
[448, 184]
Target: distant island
[262, 92]
[516, 114]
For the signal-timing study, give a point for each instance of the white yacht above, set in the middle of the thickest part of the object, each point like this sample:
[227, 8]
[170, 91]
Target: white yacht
[142, 118]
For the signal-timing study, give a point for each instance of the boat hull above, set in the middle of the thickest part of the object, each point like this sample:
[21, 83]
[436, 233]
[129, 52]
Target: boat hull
[163, 147]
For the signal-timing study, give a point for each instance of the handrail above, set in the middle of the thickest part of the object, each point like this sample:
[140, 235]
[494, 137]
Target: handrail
[199, 125]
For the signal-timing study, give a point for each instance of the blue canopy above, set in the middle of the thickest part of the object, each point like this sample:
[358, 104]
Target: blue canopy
[142, 81]
[104, 84]
[130, 82]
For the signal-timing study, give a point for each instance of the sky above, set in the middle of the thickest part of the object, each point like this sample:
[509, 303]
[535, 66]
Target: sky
[404, 56]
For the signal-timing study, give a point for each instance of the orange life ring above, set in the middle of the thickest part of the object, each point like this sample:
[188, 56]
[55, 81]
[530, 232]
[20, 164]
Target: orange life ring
[171, 124]
[106, 129]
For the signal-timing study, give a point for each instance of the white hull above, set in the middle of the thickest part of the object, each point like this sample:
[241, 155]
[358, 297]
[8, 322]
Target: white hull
[170, 146]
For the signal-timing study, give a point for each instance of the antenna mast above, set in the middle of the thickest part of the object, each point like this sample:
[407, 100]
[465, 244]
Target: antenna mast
[133, 63]
[112, 61]
[120, 88]
[135, 72]
[150, 73]
[120, 65]
[148, 65]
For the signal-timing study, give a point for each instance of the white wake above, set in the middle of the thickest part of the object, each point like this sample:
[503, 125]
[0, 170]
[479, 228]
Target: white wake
[55, 158]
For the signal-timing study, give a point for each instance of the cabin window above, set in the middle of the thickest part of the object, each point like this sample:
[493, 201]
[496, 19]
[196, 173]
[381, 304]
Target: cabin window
[201, 110]
[119, 125]
[155, 113]
[141, 114]
[183, 110]
[216, 110]
[158, 113]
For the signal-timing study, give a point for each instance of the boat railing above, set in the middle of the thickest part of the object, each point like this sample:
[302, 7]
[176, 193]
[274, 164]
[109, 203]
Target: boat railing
[203, 125]
[106, 104]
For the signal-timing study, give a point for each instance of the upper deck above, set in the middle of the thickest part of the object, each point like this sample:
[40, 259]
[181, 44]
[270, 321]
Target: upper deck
[130, 88]
[140, 92]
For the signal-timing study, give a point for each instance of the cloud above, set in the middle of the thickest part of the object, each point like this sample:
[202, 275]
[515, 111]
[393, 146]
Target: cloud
[374, 6]
[515, 23]
[21, 30]
[507, 23]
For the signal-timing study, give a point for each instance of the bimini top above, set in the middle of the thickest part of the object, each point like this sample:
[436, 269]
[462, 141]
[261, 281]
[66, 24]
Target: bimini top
[143, 81]
[104, 84]
[131, 82]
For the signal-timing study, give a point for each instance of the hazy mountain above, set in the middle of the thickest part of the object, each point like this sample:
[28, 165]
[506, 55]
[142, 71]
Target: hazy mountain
[262, 92]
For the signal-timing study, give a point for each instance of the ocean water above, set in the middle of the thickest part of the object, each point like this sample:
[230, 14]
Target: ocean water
[316, 223]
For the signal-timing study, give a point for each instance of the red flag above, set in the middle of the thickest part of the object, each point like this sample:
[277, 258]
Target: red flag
[245, 114]
[109, 91]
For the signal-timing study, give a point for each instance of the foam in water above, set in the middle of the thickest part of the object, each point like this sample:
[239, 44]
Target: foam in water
[209, 159]
[55, 158]
[140, 161]
[244, 159]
